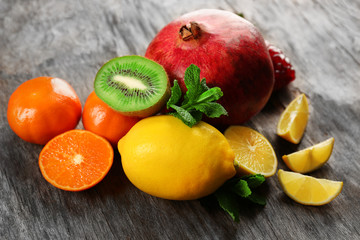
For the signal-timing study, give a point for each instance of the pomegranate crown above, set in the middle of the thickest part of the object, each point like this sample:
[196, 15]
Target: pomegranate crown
[190, 31]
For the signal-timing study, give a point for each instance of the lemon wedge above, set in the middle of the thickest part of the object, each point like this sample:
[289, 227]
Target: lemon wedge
[293, 120]
[311, 158]
[309, 190]
[253, 152]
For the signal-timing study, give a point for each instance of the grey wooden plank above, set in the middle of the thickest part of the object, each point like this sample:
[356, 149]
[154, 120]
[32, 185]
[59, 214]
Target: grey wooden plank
[71, 40]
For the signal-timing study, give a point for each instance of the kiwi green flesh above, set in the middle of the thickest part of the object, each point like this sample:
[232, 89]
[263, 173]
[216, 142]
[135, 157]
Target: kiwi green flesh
[132, 85]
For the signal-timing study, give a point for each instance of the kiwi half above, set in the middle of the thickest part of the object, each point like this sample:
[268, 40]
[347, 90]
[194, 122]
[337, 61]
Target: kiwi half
[133, 85]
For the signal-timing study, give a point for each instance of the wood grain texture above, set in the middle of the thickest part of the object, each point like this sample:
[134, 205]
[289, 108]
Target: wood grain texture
[72, 39]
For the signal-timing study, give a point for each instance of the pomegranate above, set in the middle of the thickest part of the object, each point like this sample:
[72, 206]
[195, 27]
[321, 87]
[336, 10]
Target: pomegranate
[230, 52]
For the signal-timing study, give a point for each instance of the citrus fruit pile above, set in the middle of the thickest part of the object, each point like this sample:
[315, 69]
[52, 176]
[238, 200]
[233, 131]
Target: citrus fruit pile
[44, 110]
[161, 155]
[175, 155]
[301, 188]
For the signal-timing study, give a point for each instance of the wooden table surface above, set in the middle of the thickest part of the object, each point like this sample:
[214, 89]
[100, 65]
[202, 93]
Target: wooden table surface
[72, 39]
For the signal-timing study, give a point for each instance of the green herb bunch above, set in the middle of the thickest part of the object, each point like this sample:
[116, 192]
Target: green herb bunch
[198, 100]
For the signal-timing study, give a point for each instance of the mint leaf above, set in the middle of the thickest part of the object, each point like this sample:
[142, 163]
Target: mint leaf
[192, 82]
[197, 115]
[228, 202]
[184, 115]
[242, 189]
[254, 180]
[232, 191]
[175, 94]
[258, 199]
[203, 85]
[198, 100]
[211, 109]
[210, 95]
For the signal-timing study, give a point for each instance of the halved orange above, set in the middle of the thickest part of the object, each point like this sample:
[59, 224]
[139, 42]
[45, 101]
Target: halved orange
[311, 158]
[294, 119]
[309, 190]
[76, 160]
[253, 152]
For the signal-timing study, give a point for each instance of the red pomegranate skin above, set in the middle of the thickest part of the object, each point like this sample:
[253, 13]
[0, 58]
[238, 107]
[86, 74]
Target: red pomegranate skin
[231, 54]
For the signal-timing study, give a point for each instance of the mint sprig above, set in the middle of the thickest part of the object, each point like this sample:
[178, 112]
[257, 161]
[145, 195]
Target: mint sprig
[229, 195]
[198, 100]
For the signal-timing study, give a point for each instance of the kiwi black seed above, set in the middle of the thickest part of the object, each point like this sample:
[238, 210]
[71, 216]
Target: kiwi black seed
[133, 85]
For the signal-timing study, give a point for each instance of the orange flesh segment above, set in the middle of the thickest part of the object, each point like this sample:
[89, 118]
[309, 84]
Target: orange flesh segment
[76, 160]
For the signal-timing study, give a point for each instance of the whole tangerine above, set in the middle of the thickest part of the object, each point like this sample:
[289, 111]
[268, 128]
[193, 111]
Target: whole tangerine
[42, 108]
[99, 118]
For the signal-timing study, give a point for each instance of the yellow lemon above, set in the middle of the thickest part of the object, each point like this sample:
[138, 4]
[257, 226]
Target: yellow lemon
[311, 158]
[165, 158]
[253, 152]
[293, 120]
[309, 190]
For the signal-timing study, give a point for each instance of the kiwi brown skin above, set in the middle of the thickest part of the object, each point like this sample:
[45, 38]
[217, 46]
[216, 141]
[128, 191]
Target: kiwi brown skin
[144, 112]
